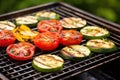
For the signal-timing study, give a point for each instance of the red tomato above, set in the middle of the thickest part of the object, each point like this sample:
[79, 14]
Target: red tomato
[47, 40]
[70, 37]
[21, 51]
[49, 25]
[6, 38]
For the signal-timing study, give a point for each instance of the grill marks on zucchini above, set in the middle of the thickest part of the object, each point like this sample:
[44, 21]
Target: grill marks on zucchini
[48, 61]
[94, 32]
[41, 63]
[75, 51]
[26, 20]
[97, 43]
[6, 25]
[67, 53]
[78, 51]
[47, 15]
[101, 45]
[73, 23]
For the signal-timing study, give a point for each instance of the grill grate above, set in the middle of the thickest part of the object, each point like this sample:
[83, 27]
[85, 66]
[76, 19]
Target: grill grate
[15, 70]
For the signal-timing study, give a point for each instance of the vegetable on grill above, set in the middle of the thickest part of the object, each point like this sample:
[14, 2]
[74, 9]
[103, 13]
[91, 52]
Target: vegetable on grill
[30, 21]
[101, 46]
[6, 25]
[70, 37]
[47, 40]
[75, 52]
[43, 15]
[48, 63]
[24, 33]
[73, 23]
[6, 38]
[49, 25]
[21, 51]
[94, 32]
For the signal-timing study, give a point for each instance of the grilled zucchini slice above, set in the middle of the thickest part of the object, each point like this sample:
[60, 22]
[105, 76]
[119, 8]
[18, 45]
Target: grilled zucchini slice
[30, 21]
[48, 63]
[94, 32]
[75, 52]
[6, 25]
[101, 46]
[73, 23]
[43, 15]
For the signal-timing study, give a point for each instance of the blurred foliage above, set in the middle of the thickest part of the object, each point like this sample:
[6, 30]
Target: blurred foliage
[108, 9]
[13, 5]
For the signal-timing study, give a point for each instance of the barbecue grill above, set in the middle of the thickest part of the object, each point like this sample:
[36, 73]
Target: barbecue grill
[15, 70]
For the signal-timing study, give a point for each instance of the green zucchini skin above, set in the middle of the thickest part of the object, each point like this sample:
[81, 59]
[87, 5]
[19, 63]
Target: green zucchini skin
[71, 55]
[47, 70]
[32, 25]
[29, 25]
[57, 16]
[88, 37]
[42, 18]
[43, 15]
[102, 49]
[73, 23]
[96, 37]
[75, 59]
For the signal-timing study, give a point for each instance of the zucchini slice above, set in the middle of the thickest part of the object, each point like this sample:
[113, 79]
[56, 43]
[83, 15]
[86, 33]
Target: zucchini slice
[6, 25]
[75, 52]
[94, 32]
[48, 63]
[73, 23]
[43, 15]
[101, 46]
[30, 21]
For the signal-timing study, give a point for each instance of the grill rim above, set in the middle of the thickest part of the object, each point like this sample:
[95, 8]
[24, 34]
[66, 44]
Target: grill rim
[5, 16]
[50, 5]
